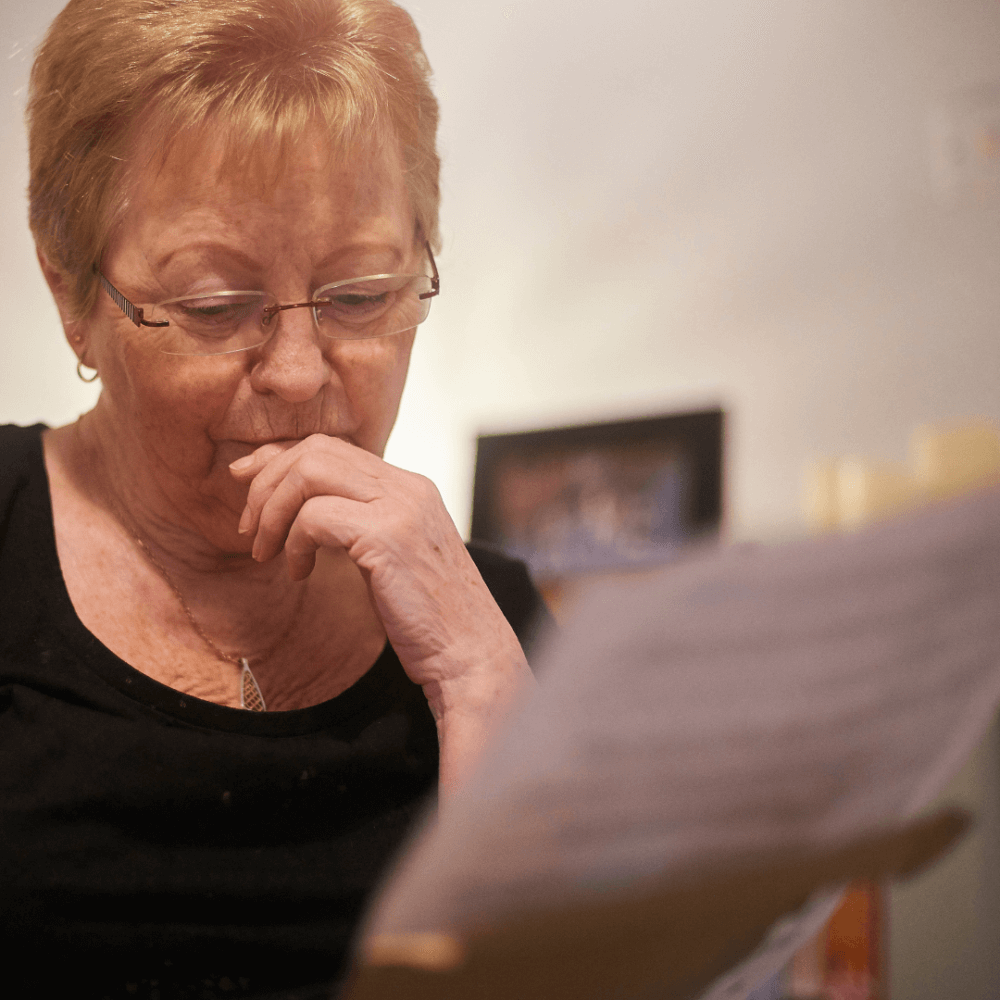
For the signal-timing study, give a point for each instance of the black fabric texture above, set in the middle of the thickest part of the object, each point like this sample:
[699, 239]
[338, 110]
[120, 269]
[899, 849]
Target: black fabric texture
[156, 845]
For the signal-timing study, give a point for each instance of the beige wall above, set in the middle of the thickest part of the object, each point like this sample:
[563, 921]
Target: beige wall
[648, 204]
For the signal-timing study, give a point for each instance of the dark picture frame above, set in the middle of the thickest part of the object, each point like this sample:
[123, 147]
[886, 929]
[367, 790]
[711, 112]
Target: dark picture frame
[604, 496]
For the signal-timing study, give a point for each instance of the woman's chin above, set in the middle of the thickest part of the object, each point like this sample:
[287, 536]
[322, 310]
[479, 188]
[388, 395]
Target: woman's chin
[239, 547]
[217, 517]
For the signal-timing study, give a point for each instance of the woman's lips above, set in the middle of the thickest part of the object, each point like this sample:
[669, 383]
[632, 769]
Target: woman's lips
[260, 444]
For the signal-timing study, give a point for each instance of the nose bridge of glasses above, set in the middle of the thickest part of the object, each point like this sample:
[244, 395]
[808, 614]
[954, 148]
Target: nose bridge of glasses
[272, 309]
[290, 342]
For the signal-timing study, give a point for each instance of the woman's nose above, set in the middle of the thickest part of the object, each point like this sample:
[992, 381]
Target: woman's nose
[291, 363]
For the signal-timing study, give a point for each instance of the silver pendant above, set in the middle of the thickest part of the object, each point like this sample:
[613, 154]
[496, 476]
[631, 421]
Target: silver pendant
[250, 697]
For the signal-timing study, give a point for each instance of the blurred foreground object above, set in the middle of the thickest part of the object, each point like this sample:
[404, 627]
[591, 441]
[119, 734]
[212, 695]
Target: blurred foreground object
[674, 940]
[849, 953]
[944, 461]
[711, 753]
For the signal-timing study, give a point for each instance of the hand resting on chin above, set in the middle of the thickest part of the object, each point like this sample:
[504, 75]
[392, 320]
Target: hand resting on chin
[438, 614]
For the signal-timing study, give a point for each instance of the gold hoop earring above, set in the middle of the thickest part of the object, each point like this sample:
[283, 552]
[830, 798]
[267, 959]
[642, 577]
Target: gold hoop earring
[82, 377]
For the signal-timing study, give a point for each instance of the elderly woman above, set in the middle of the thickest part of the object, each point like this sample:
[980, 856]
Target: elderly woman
[237, 647]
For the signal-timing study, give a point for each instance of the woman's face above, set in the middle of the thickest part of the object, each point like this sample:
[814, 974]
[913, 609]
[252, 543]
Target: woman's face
[194, 227]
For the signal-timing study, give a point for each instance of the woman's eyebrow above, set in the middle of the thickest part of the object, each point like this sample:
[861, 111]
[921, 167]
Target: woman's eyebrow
[209, 250]
[215, 250]
[381, 251]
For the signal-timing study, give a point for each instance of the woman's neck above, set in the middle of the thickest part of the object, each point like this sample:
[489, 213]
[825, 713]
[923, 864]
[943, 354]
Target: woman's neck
[176, 509]
[306, 640]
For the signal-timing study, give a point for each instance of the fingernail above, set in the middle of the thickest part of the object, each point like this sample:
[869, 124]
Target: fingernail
[242, 463]
[244, 521]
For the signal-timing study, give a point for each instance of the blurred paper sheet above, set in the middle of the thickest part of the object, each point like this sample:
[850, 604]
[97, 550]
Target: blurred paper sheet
[745, 706]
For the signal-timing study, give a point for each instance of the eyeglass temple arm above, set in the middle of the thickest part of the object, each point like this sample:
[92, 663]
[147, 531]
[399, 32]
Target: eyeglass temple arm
[435, 278]
[133, 312]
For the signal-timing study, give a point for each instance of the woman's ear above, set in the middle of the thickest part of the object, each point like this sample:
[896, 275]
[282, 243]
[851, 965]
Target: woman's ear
[60, 292]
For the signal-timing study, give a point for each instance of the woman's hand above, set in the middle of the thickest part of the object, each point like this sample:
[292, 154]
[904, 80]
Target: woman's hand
[440, 617]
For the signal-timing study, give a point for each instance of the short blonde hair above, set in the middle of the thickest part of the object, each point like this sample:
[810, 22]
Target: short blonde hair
[109, 71]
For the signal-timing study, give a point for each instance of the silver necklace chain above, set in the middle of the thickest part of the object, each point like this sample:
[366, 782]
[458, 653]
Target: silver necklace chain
[251, 697]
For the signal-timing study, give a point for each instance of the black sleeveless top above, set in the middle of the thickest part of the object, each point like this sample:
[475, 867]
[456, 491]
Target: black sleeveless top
[156, 845]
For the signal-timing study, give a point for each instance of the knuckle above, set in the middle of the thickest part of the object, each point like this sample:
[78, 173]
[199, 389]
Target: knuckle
[422, 486]
[310, 466]
[402, 522]
[296, 481]
[317, 516]
[315, 509]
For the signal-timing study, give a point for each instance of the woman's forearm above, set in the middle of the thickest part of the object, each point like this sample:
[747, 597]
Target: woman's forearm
[469, 708]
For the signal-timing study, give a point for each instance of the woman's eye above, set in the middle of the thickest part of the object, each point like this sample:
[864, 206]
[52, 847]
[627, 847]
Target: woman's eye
[215, 315]
[360, 304]
[360, 301]
[198, 312]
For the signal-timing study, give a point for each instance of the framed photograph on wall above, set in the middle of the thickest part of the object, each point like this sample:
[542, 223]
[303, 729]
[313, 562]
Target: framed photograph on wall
[592, 498]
